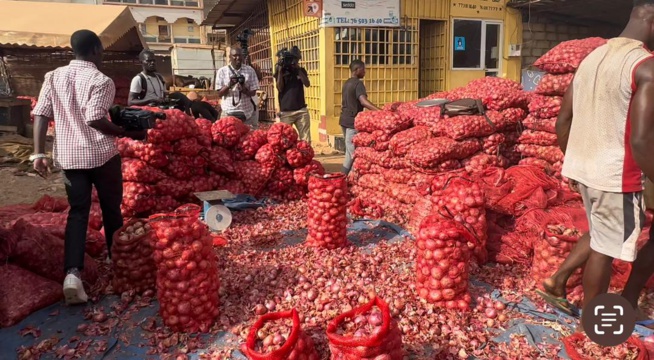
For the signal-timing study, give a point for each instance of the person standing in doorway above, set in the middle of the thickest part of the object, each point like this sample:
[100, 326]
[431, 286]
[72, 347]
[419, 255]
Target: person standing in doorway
[355, 99]
[291, 81]
[237, 85]
[148, 87]
[78, 97]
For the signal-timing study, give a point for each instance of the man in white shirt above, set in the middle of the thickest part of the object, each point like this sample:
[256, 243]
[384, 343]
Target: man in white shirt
[148, 87]
[237, 85]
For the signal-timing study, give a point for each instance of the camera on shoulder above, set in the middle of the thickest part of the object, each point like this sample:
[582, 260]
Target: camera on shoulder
[286, 59]
[133, 119]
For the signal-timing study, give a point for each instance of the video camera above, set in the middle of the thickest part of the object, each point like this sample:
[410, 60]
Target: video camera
[132, 119]
[244, 40]
[286, 58]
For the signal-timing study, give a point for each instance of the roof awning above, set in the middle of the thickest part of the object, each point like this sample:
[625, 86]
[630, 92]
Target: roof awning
[613, 13]
[227, 13]
[50, 25]
[141, 14]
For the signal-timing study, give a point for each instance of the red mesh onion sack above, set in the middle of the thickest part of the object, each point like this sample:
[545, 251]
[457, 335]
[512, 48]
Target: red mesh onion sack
[429, 117]
[536, 124]
[48, 203]
[551, 154]
[282, 136]
[386, 121]
[297, 346]
[545, 107]
[537, 138]
[622, 269]
[177, 125]
[204, 132]
[381, 158]
[187, 147]
[139, 171]
[269, 158]
[576, 347]
[554, 85]
[384, 341]
[327, 213]
[401, 142]
[23, 293]
[566, 57]
[562, 229]
[138, 198]
[442, 263]
[472, 126]
[253, 175]
[133, 263]
[227, 131]
[219, 160]
[301, 175]
[300, 155]
[249, 144]
[187, 270]
[43, 254]
[430, 153]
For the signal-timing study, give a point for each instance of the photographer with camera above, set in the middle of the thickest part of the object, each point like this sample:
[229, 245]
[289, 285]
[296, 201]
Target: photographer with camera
[291, 81]
[148, 87]
[78, 97]
[237, 84]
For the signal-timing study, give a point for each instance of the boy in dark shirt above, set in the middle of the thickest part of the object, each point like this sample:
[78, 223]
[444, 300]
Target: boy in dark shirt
[355, 99]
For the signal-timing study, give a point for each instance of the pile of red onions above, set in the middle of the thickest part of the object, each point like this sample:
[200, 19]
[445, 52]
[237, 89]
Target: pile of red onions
[248, 146]
[282, 137]
[204, 132]
[550, 252]
[428, 154]
[301, 155]
[187, 273]
[364, 333]
[442, 263]
[566, 57]
[133, 265]
[266, 341]
[554, 85]
[139, 171]
[327, 215]
[401, 142]
[228, 131]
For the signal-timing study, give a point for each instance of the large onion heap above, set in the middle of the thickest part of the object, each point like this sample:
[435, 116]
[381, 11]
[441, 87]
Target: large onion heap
[271, 339]
[131, 251]
[187, 273]
[327, 218]
[442, 263]
[366, 332]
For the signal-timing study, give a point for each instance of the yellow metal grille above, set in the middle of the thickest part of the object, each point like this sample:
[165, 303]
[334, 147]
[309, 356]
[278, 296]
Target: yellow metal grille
[290, 27]
[260, 55]
[391, 57]
[433, 53]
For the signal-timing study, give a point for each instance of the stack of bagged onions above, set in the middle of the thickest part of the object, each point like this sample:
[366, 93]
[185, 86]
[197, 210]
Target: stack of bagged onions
[134, 267]
[365, 333]
[442, 263]
[187, 272]
[271, 339]
[327, 215]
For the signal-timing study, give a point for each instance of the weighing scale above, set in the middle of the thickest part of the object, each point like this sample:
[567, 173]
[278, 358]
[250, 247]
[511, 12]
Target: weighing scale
[214, 213]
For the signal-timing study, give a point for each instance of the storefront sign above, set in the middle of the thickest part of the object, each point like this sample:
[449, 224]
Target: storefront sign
[313, 8]
[360, 13]
[486, 9]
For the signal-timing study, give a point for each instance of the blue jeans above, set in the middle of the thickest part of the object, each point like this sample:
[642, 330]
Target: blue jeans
[349, 149]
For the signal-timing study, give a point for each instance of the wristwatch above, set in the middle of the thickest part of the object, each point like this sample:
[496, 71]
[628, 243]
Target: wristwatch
[37, 156]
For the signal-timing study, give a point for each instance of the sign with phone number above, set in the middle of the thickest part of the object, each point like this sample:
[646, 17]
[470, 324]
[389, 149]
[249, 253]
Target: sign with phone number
[348, 13]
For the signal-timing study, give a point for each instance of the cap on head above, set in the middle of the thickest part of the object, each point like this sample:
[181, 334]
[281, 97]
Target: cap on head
[85, 43]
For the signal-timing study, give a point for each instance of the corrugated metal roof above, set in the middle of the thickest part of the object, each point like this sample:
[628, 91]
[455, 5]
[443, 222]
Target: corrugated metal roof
[227, 12]
[613, 13]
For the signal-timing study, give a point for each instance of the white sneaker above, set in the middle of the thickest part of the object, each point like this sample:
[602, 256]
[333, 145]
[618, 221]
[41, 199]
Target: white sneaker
[74, 290]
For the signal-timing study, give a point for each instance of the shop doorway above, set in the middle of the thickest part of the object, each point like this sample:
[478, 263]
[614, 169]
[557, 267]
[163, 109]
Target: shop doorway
[433, 53]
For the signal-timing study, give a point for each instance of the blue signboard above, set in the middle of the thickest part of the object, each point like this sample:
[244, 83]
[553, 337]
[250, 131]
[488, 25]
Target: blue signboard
[459, 43]
[530, 79]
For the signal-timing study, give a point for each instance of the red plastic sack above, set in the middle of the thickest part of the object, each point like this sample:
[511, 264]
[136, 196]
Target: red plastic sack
[297, 346]
[187, 270]
[51, 204]
[43, 254]
[133, 262]
[430, 153]
[562, 229]
[554, 85]
[442, 263]
[385, 343]
[505, 245]
[536, 124]
[327, 215]
[574, 342]
[23, 293]
[566, 57]
[545, 107]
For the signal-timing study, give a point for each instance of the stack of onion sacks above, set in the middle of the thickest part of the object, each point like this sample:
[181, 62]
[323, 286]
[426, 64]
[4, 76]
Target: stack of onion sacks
[131, 251]
[187, 271]
[442, 263]
[297, 346]
[327, 215]
[383, 342]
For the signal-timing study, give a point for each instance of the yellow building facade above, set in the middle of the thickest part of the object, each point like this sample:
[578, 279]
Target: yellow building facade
[440, 45]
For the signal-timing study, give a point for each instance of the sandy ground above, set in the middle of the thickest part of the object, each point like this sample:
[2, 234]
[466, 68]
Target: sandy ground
[25, 188]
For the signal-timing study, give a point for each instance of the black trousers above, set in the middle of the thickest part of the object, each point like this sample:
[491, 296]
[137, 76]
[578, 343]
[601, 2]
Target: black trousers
[108, 181]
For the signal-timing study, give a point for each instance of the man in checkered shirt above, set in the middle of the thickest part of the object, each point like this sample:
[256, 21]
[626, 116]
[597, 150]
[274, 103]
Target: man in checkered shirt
[237, 96]
[78, 97]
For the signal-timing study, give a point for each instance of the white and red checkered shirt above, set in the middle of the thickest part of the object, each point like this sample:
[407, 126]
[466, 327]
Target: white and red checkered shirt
[230, 102]
[75, 95]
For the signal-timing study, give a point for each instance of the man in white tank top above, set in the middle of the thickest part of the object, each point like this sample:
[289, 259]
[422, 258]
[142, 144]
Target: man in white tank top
[606, 130]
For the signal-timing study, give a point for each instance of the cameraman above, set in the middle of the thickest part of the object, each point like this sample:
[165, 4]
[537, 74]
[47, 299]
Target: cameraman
[237, 84]
[78, 97]
[291, 81]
